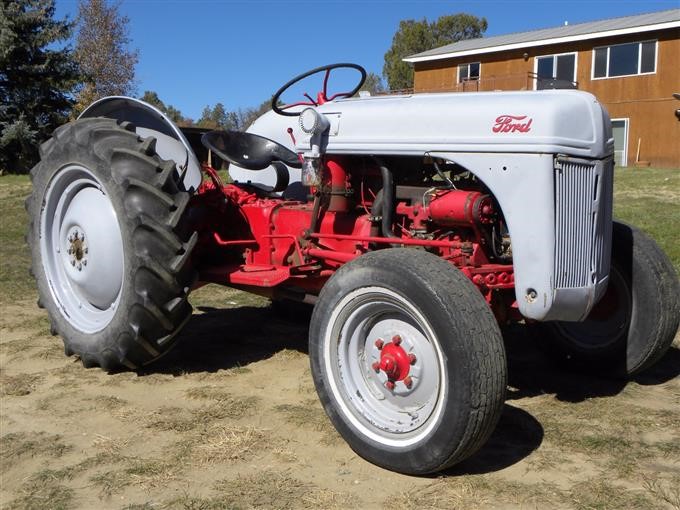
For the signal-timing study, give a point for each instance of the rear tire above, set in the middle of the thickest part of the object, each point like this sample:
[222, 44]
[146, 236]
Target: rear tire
[634, 323]
[437, 330]
[109, 245]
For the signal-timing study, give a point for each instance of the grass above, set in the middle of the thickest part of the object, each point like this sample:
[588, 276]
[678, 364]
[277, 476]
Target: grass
[649, 198]
[14, 254]
[268, 489]
[310, 415]
[18, 385]
[16, 445]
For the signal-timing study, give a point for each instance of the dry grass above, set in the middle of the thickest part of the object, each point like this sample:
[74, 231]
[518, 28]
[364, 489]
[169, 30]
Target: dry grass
[19, 385]
[220, 443]
[17, 445]
[43, 494]
[602, 494]
[310, 415]
[667, 491]
[144, 473]
[266, 490]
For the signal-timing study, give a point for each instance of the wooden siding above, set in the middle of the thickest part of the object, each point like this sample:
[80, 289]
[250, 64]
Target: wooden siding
[646, 100]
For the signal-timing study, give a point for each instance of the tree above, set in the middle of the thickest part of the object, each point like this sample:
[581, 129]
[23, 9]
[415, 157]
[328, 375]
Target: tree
[417, 36]
[373, 84]
[36, 79]
[239, 120]
[214, 118]
[152, 98]
[102, 52]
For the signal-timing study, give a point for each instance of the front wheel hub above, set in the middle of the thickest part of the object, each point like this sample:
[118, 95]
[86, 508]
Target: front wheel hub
[394, 361]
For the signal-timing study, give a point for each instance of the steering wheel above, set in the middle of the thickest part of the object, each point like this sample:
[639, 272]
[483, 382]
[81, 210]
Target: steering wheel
[322, 97]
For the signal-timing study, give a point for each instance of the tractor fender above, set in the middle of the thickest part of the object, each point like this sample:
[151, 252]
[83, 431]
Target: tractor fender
[171, 144]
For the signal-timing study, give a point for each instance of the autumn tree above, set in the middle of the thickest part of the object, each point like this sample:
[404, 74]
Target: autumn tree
[37, 77]
[102, 51]
[418, 36]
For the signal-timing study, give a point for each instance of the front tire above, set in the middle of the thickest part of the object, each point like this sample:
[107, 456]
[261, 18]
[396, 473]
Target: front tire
[408, 360]
[634, 323]
[110, 250]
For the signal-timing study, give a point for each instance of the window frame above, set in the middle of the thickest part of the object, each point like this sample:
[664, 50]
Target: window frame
[554, 57]
[468, 64]
[639, 62]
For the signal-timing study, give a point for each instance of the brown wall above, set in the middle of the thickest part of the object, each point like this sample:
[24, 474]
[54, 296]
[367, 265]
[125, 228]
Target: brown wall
[645, 100]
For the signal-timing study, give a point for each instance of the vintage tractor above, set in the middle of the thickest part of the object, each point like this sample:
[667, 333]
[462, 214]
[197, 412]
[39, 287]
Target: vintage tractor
[415, 224]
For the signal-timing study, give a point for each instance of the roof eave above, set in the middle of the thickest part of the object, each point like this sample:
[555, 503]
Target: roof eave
[544, 42]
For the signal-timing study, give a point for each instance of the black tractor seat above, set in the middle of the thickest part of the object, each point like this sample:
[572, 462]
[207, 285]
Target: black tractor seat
[248, 150]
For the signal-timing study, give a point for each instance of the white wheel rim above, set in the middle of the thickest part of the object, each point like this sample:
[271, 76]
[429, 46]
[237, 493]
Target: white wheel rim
[398, 416]
[82, 248]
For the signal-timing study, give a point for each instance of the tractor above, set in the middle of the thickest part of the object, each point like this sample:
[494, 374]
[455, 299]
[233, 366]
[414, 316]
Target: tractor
[415, 224]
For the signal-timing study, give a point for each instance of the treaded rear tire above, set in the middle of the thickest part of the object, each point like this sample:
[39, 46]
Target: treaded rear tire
[648, 287]
[431, 300]
[141, 189]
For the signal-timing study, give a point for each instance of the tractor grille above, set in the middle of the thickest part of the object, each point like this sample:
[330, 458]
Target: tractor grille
[583, 216]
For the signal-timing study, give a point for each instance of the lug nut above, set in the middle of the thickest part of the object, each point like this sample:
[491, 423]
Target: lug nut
[408, 381]
[73, 263]
[80, 267]
[396, 339]
[389, 385]
[376, 366]
[86, 250]
[412, 358]
[85, 263]
[379, 343]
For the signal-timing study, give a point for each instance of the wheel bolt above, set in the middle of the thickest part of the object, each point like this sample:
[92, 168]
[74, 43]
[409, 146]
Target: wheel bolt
[389, 385]
[408, 381]
[379, 343]
[86, 250]
[396, 339]
[70, 251]
[84, 262]
[73, 263]
[376, 366]
[80, 267]
[412, 358]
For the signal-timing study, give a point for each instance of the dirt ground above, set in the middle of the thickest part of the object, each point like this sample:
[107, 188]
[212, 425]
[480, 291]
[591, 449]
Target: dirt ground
[230, 419]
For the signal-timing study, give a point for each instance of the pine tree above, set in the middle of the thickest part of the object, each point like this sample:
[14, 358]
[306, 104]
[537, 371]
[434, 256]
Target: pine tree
[36, 79]
[152, 98]
[417, 36]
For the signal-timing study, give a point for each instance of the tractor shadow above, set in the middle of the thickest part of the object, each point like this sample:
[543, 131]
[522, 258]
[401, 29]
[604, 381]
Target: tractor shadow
[532, 372]
[224, 338]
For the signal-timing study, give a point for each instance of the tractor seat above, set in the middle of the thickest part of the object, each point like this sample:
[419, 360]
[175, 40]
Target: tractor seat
[248, 150]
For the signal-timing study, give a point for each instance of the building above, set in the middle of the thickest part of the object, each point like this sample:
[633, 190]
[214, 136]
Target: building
[632, 65]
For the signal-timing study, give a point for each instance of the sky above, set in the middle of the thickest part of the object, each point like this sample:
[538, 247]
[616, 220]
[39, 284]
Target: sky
[195, 53]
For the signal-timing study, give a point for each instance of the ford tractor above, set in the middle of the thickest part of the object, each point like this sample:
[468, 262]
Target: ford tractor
[415, 224]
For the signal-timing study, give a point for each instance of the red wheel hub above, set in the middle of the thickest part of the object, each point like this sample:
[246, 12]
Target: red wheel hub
[394, 361]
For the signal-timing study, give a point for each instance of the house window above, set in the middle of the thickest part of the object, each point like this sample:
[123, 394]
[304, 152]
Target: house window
[624, 59]
[556, 71]
[468, 72]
